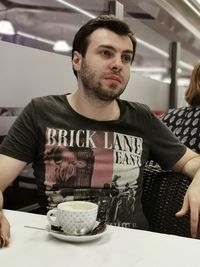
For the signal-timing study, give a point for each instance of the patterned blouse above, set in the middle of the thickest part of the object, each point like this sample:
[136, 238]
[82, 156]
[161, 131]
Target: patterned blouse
[184, 122]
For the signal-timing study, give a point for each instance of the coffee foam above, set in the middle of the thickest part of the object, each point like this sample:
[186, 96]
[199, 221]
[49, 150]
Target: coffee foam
[78, 205]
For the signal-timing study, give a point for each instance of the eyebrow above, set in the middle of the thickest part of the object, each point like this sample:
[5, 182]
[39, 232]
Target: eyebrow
[112, 48]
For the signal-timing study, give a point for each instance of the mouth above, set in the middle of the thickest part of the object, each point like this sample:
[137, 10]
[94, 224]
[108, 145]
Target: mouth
[114, 78]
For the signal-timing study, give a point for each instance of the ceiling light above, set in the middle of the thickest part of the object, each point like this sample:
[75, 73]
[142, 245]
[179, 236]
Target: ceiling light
[163, 53]
[62, 46]
[149, 69]
[40, 39]
[6, 27]
[157, 77]
[152, 47]
[192, 7]
[186, 65]
[59, 46]
[77, 9]
[179, 70]
[181, 81]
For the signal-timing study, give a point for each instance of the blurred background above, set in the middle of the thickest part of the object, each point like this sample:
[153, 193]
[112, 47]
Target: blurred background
[42, 23]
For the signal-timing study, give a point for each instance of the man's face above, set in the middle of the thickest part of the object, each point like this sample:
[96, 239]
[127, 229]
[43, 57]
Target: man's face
[105, 70]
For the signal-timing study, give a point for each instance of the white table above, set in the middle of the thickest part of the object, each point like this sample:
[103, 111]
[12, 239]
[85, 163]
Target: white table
[118, 247]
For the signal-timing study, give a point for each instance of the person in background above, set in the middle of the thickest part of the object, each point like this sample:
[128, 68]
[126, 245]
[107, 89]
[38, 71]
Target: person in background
[113, 137]
[184, 122]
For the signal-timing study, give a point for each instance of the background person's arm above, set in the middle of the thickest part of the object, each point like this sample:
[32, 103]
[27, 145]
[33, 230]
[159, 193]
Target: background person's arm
[189, 165]
[9, 170]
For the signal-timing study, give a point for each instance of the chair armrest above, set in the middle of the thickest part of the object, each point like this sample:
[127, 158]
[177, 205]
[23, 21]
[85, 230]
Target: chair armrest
[163, 193]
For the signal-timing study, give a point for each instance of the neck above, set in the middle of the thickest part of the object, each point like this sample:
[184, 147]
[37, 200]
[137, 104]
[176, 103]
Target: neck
[97, 110]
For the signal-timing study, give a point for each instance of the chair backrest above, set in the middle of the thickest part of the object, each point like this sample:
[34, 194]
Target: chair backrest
[163, 193]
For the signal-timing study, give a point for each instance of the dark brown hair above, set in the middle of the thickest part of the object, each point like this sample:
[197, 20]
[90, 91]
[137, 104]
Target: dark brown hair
[192, 95]
[110, 22]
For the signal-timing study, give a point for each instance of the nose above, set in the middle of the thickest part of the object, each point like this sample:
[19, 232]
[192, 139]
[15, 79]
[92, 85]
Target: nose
[116, 63]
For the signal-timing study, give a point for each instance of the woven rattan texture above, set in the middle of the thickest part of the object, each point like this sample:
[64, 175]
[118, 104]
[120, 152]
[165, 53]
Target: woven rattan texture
[163, 193]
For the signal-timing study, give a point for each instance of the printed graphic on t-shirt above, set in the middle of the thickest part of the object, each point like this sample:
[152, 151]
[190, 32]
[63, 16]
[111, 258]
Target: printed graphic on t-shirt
[94, 165]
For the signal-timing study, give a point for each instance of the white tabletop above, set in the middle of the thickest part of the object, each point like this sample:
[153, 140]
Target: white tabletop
[117, 247]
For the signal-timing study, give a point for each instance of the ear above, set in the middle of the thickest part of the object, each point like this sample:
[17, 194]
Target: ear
[76, 61]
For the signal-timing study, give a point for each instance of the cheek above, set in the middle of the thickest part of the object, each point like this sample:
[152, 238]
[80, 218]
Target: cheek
[127, 74]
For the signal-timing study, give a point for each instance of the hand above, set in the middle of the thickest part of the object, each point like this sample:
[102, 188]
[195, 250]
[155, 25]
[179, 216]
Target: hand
[4, 231]
[192, 203]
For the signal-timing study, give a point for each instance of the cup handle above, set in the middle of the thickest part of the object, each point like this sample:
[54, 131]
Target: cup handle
[52, 217]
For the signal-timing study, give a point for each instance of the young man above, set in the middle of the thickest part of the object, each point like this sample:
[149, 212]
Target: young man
[110, 138]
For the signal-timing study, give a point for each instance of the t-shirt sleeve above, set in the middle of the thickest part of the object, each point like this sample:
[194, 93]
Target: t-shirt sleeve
[20, 143]
[165, 148]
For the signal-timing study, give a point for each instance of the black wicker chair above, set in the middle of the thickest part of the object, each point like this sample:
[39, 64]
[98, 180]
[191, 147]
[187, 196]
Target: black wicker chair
[163, 193]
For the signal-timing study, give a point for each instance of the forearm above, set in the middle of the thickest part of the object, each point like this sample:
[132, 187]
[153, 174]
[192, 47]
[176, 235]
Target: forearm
[1, 200]
[4, 226]
[9, 170]
[192, 168]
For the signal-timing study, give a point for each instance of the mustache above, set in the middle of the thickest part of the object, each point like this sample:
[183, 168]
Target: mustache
[114, 74]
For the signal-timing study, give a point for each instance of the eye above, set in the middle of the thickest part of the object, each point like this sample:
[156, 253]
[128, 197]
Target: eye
[106, 53]
[126, 58]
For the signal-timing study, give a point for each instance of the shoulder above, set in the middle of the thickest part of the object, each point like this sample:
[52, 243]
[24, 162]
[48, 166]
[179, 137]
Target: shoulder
[137, 108]
[48, 99]
[51, 102]
[135, 105]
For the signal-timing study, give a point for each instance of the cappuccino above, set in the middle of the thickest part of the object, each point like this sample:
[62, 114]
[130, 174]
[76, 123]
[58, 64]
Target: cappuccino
[78, 205]
[74, 216]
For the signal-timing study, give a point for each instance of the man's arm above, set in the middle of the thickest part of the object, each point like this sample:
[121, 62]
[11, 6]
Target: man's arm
[4, 225]
[189, 165]
[9, 170]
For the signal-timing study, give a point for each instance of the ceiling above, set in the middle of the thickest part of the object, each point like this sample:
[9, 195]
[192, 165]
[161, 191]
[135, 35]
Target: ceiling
[157, 23]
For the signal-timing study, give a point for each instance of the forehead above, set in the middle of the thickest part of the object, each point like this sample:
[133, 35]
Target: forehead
[105, 37]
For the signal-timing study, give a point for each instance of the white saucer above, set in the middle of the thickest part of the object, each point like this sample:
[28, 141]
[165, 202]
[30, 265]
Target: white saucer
[71, 238]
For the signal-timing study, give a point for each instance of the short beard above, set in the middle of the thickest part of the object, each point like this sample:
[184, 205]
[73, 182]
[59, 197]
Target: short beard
[94, 89]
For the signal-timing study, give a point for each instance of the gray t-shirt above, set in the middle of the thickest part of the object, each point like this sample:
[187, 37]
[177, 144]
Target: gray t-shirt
[78, 158]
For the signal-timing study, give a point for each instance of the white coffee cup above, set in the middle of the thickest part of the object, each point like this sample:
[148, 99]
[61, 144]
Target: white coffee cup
[74, 217]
